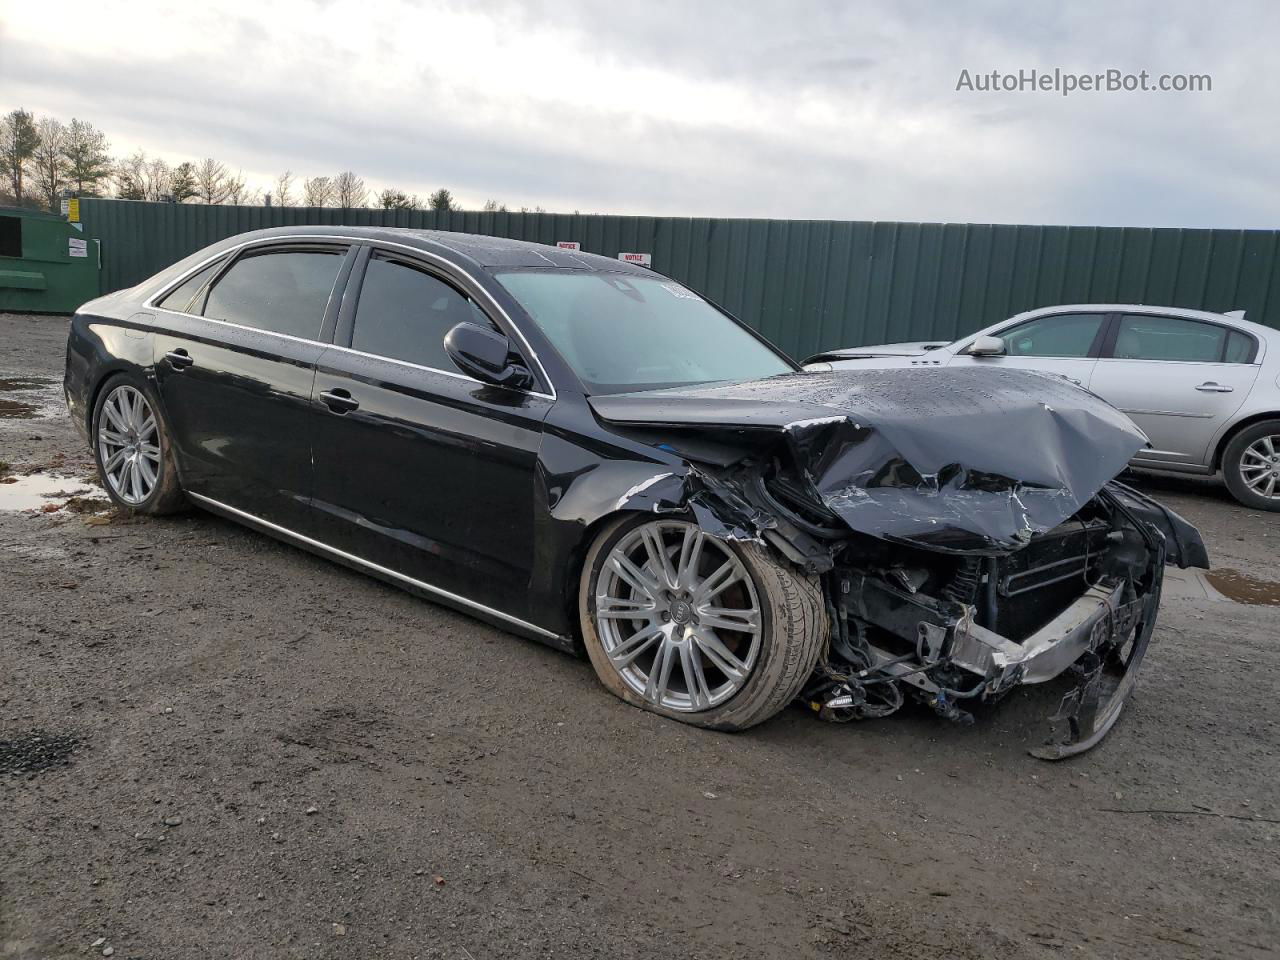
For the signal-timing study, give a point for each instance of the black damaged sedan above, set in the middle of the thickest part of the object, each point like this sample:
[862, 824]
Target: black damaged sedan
[585, 452]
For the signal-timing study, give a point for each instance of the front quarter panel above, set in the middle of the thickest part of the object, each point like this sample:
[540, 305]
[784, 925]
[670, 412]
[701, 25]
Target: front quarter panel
[585, 476]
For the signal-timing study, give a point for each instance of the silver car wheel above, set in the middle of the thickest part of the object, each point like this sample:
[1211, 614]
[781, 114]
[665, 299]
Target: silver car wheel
[678, 616]
[129, 445]
[1260, 467]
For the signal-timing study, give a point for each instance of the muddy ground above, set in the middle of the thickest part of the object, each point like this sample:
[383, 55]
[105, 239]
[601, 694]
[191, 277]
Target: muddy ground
[251, 752]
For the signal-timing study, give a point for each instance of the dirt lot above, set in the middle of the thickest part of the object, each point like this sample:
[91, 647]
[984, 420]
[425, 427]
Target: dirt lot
[268, 755]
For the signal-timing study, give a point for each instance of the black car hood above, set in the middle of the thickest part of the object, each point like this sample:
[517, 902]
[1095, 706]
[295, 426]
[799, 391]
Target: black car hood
[961, 459]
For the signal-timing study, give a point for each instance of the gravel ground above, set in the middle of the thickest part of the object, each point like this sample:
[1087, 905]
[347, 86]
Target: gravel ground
[215, 745]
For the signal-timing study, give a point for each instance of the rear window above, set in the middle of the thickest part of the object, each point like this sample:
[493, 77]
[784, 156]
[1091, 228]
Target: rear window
[1240, 348]
[282, 291]
[180, 297]
[1175, 339]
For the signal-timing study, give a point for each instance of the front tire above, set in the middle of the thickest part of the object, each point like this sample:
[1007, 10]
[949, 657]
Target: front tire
[133, 450]
[1251, 466]
[712, 633]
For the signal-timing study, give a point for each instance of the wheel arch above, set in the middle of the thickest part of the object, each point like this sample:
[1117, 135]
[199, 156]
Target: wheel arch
[1234, 430]
[103, 377]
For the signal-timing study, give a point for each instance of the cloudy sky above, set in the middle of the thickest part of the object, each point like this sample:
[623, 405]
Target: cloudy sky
[807, 108]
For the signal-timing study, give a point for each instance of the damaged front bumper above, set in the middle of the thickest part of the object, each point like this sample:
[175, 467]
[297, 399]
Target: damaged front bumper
[1087, 594]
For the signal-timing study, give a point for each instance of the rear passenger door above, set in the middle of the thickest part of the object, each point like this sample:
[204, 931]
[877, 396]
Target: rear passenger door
[1179, 379]
[418, 467]
[235, 360]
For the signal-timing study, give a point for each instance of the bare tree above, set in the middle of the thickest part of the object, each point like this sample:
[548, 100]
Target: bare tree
[391, 199]
[131, 176]
[18, 142]
[317, 192]
[283, 194]
[157, 180]
[236, 190]
[182, 185]
[442, 199]
[493, 206]
[212, 181]
[48, 161]
[349, 190]
[88, 159]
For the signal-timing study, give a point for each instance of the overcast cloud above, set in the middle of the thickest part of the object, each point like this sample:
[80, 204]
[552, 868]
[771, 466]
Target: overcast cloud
[800, 109]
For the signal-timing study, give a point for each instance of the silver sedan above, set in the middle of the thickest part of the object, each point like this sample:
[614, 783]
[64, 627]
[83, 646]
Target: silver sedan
[1205, 387]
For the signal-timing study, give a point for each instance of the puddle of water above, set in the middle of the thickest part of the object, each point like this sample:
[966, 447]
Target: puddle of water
[49, 493]
[37, 397]
[11, 384]
[16, 410]
[1243, 588]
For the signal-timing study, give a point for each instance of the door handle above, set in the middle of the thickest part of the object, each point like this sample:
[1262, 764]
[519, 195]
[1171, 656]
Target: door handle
[340, 401]
[1212, 387]
[179, 359]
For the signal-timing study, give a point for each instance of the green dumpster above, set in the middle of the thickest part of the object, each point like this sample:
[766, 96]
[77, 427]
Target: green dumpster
[47, 265]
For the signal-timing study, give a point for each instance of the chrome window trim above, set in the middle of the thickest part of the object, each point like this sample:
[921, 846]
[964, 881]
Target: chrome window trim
[445, 373]
[1224, 323]
[149, 303]
[378, 568]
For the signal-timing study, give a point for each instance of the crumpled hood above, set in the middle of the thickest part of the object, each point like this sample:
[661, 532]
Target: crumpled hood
[963, 459]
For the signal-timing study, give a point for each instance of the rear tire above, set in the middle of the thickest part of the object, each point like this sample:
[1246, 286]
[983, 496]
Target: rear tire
[1251, 465]
[785, 605]
[132, 449]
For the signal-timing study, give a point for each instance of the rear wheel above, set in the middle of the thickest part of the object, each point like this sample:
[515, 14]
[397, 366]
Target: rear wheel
[1251, 465]
[713, 633]
[132, 448]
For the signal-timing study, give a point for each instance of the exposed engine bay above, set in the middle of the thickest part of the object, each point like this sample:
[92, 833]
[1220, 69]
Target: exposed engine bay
[969, 538]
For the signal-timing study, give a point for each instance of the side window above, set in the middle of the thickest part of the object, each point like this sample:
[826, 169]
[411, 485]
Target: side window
[1060, 335]
[405, 312]
[1240, 348]
[1143, 337]
[284, 291]
[179, 298]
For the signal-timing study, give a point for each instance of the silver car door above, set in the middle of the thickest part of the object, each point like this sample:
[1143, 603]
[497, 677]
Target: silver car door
[1179, 379]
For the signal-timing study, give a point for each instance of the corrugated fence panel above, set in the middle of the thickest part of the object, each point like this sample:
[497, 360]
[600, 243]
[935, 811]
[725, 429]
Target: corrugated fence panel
[808, 285]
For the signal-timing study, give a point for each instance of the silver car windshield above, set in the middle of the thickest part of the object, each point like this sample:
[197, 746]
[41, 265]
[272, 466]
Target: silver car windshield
[623, 332]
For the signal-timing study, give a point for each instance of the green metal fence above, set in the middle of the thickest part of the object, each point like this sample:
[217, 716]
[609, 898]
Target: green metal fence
[808, 285]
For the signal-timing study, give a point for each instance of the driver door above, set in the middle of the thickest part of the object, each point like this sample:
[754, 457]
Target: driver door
[1067, 344]
[419, 468]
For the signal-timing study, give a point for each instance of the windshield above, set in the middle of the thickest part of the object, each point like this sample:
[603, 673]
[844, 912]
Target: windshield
[622, 332]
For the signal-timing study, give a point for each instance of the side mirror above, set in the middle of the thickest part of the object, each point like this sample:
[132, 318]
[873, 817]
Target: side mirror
[485, 354]
[986, 347]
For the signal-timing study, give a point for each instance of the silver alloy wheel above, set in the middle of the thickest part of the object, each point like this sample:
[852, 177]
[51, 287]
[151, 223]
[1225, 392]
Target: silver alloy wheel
[1260, 467]
[129, 444]
[668, 595]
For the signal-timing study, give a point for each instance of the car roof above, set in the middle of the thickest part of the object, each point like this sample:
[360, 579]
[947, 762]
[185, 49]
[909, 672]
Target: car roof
[480, 250]
[1186, 312]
